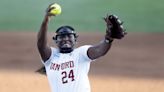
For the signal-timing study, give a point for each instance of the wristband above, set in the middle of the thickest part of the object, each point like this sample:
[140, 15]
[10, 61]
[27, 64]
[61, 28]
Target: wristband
[108, 41]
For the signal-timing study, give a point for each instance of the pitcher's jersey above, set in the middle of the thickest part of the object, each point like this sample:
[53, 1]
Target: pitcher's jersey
[68, 72]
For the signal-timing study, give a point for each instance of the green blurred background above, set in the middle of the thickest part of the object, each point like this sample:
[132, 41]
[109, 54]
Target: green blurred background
[84, 15]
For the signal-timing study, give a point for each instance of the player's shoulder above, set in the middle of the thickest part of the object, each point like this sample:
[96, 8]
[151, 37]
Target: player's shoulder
[82, 48]
[55, 51]
[82, 53]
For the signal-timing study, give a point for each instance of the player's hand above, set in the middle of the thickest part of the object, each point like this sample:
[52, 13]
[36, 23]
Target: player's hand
[114, 27]
[48, 11]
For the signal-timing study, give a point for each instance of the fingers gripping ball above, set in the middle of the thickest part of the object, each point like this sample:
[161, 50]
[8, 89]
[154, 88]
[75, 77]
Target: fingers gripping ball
[55, 9]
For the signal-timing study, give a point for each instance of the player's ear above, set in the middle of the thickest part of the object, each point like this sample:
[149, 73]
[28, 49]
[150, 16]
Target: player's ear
[55, 39]
[76, 36]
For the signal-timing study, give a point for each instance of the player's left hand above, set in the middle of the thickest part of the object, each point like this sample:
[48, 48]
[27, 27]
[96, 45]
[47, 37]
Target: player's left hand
[115, 28]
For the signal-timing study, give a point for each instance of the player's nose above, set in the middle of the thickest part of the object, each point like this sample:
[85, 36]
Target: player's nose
[65, 37]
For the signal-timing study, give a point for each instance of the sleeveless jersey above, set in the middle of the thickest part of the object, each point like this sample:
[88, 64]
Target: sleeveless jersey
[68, 72]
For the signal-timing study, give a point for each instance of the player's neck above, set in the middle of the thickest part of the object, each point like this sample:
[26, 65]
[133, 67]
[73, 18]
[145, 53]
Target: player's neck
[66, 50]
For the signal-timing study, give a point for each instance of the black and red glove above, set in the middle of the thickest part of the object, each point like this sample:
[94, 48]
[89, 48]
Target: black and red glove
[114, 28]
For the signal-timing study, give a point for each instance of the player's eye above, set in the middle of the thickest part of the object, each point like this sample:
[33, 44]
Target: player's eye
[70, 35]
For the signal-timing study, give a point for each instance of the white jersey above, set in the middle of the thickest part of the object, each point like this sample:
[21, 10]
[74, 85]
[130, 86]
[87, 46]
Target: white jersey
[68, 72]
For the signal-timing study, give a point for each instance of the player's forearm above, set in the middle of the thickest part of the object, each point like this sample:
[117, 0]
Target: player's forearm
[42, 34]
[99, 50]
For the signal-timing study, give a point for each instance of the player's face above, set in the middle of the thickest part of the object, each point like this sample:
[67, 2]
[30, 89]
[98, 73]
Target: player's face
[65, 41]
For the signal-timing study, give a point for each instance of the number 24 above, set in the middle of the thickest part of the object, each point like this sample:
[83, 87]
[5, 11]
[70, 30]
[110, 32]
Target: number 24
[69, 75]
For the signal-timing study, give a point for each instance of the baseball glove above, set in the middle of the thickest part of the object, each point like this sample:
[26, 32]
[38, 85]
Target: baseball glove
[114, 27]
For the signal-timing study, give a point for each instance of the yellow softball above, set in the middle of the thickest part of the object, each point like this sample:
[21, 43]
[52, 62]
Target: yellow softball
[56, 9]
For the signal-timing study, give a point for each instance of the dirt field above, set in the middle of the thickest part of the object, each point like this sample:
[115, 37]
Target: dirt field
[134, 64]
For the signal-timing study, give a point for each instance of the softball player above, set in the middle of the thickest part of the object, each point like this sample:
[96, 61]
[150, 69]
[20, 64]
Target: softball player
[66, 66]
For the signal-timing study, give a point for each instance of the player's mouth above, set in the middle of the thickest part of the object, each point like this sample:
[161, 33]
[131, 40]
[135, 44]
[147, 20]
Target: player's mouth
[66, 44]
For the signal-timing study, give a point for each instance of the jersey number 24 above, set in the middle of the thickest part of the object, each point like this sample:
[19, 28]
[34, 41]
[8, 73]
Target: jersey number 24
[67, 76]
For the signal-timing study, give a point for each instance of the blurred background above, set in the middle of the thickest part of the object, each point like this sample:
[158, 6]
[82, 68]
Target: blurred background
[138, 15]
[134, 64]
